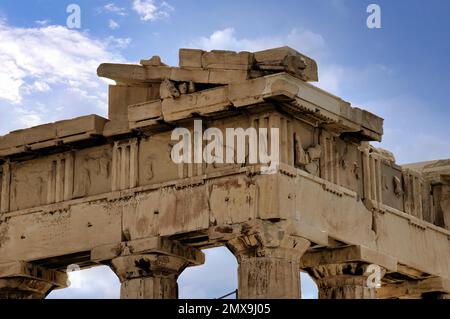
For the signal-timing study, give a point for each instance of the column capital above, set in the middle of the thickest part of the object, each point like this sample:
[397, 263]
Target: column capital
[151, 245]
[268, 239]
[21, 280]
[150, 257]
[350, 280]
[268, 255]
[148, 265]
[148, 268]
[356, 272]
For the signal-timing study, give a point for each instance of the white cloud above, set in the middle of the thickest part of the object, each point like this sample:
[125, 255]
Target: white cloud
[51, 59]
[95, 283]
[120, 43]
[113, 8]
[36, 86]
[53, 54]
[29, 117]
[42, 22]
[149, 10]
[307, 41]
[113, 25]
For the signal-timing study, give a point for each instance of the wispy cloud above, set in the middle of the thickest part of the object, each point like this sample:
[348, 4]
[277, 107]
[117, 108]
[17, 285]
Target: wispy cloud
[57, 64]
[113, 25]
[113, 8]
[151, 10]
[309, 42]
[42, 22]
[120, 43]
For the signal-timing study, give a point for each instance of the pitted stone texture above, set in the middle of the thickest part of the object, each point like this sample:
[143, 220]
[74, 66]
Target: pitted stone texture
[430, 288]
[24, 288]
[151, 276]
[136, 266]
[269, 259]
[20, 280]
[343, 281]
[153, 273]
[150, 288]
[93, 190]
[268, 278]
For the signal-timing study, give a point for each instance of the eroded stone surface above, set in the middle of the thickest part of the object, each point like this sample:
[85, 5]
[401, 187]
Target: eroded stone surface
[20, 280]
[106, 191]
[343, 281]
[269, 258]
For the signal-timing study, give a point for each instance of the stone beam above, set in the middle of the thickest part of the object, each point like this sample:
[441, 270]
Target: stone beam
[140, 108]
[215, 67]
[156, 245]
[81, 225]
[416, 289]
[291, 93]
[20, 280]
[142, 75]
[52, 135]
[346, 254]
[382, 230]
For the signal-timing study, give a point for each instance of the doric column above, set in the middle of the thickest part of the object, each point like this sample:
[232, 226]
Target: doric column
[20, 280]
[148, 268]
[268, 258]
[344, 281]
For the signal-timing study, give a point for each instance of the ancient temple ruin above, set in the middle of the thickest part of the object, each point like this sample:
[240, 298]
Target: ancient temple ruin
[93, 191]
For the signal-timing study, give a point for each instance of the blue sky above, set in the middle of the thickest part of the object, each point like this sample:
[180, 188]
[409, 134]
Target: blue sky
[400, 72]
